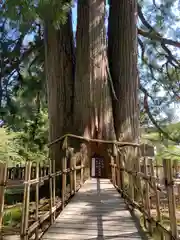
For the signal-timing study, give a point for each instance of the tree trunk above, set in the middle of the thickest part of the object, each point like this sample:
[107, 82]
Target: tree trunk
[93, 106]
[82, 100]
[93, 115]
[60, 79]
[101, 97]
[122, 53]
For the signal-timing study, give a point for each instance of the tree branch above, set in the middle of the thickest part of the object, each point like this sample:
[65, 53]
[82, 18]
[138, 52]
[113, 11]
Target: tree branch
[154, 36]
[154, 121]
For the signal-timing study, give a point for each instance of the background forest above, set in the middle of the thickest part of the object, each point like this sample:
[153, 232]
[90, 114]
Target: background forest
[25, 94]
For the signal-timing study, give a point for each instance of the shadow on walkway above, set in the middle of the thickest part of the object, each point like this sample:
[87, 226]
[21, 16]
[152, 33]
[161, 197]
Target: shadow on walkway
[96, 212]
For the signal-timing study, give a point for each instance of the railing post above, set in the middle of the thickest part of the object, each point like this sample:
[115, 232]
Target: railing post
[37, 200]
[82, 170]
[3, 177]
[157, 196]
[156, 192]
[116, 169]
[51, 190]
[168, 177]
[71, 172]
[83, 151]
[121, 169]
[147, 199]
[64, 172]
[138, 188]
[54, 185]
[112, 170]
[25, 211]
[74, 173]
[130, 168]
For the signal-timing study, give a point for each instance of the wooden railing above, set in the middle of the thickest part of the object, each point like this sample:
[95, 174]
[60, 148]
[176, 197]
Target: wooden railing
[157, 200]
[38, 215]
[18, 173]
[132, 175]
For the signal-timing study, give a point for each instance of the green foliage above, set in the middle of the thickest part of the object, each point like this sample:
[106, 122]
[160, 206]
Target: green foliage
[166, 149]
[12, 216]
[174, 130]
[52, 11]
[8, 147]
[23, 103]
[33, 149]
[16, 147]
[171, 152]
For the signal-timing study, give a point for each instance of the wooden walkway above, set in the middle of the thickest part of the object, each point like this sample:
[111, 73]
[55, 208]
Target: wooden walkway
[96, 212]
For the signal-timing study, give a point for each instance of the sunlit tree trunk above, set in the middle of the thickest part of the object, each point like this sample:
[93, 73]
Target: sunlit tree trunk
[60, 79]
[93, 106]
[101, 96]
[122, 53]
[82, 100]
[93, 115]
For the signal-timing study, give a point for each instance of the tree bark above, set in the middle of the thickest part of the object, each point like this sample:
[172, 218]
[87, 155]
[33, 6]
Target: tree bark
[82, 100]
[93, 105]
[60, 79]
[93, 116]
[101, 96]
[122, 53]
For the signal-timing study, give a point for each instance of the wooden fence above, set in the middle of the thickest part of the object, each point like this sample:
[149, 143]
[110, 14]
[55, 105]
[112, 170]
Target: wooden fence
[150, 191]
[37, 216]
[18, 173]
[137, 179]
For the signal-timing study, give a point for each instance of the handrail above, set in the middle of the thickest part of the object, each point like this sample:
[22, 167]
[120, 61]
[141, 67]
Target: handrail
[131, 180]
[93, 140]
[76, 173]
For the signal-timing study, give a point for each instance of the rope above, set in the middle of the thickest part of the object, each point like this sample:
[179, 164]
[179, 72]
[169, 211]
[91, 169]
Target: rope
[93, 140]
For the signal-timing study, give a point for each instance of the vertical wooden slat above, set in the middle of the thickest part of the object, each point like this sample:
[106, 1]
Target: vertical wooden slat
[178, 170]
[71, 173]
[51, 191]
[121, 166]
[24, 200]
[25, 212]
[112, 170]
[157, 197]
[177, 173]
[54, 186]
[131, 167]
[116, 161]
[138, 190]
[82, 169]
[37, 200]
[64, 173]
[74, 173]
[118, 170]
[3, 177]
[147, 198]
[64, 170]
[89, 161]
[168, 174]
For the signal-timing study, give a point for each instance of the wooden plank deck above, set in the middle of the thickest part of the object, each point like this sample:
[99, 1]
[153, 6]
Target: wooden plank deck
[96, 212]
